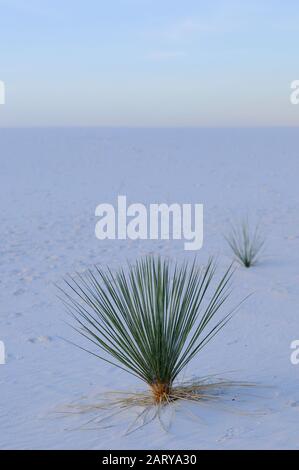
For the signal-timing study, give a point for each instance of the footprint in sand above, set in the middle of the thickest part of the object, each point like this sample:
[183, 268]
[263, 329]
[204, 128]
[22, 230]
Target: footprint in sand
[40, 339]
[19, 292]
[229, 434]
[294, 404]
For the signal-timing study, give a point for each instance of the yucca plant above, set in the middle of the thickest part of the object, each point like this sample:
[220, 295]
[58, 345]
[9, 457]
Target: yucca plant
[246, 244]
[151, 319]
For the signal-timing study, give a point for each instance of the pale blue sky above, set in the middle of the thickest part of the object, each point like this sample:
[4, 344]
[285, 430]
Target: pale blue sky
[148, 62]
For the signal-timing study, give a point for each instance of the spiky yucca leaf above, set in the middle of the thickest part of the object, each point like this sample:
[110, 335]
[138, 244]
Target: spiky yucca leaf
[246, 244]
[152, 319]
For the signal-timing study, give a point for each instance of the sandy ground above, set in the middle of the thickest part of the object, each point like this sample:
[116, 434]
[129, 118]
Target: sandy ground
[50, 183]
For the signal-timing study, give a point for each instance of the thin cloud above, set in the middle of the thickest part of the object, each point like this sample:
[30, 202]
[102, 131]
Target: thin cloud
[182, 28]
[165, 55]
[189, 27]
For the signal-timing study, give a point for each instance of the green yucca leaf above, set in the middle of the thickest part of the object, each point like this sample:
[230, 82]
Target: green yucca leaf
[152, 319]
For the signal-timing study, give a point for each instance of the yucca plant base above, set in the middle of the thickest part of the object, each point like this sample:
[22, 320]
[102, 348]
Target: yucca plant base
[161, 392]
[150, 320]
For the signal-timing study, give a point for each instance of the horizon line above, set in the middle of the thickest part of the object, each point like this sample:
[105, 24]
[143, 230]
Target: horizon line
[250, 126]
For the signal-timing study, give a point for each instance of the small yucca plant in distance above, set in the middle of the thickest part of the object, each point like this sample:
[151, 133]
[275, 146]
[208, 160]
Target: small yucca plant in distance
[245, 243]
[151, 319]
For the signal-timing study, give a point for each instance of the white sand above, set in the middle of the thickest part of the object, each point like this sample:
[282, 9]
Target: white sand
[50, 184]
